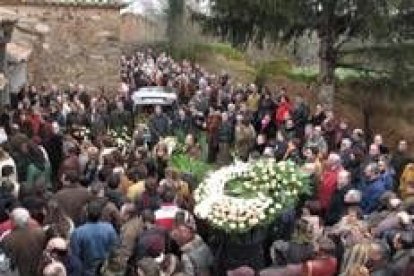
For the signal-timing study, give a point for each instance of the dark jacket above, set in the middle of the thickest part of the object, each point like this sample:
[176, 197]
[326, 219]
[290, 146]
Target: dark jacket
[25, 247]
[225, 133]
[337, 206]
[182, 126]
[159, 127]
[400, 262]
[72, 200]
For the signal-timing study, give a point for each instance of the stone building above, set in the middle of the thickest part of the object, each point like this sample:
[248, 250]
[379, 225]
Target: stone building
[7, 22]
[72, 41]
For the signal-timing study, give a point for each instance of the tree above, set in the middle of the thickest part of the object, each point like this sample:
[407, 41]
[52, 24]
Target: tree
[336, 22]
[175, 21]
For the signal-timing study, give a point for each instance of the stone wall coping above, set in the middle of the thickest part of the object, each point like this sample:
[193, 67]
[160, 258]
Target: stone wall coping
[94, 5]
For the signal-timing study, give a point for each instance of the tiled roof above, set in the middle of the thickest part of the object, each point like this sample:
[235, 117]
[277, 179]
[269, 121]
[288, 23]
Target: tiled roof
[99, 3]
[7, 15]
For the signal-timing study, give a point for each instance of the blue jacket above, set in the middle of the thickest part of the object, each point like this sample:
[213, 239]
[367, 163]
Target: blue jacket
[371, 193]
[92, 243]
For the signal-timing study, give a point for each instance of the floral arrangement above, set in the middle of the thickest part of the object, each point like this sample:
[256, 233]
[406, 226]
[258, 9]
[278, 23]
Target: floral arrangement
[185, 164]
[121, 138]
[242, 196]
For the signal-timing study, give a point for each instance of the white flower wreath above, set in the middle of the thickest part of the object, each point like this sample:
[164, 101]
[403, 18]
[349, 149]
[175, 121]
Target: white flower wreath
[241, 196]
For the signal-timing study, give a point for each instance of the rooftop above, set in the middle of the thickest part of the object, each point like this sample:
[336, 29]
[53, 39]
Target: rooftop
[7, 15]
[82, 3]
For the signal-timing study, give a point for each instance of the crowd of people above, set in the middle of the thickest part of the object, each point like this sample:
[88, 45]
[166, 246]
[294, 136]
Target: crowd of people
[72, 202]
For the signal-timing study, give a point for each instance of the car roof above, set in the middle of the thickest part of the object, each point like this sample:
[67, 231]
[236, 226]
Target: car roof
[154, 95]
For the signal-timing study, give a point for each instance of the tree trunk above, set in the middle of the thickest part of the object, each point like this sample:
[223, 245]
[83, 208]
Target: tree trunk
[175, 22]
[327, 65]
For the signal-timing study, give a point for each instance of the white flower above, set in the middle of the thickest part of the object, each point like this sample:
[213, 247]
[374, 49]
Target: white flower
[262, 216]
[278, 206]
[272, 211]
[232, 226]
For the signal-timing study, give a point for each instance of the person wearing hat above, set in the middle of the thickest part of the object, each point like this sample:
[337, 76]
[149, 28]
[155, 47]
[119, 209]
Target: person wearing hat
[24, 244]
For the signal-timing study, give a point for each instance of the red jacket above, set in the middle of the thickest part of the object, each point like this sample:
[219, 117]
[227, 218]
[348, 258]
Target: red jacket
[327, 187]
[282, 111]
[35, 122]
[320, 267]
[165, 216]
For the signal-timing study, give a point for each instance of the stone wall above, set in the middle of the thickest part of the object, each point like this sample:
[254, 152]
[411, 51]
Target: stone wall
[81, 46]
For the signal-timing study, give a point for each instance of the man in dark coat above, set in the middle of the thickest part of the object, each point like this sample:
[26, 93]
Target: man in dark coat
[54, 148]
[300, 116]
[225, 136]
[182, 124]
[400, 159]
[159, 125]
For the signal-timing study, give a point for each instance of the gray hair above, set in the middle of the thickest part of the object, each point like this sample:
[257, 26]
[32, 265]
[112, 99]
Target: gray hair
[20, 217]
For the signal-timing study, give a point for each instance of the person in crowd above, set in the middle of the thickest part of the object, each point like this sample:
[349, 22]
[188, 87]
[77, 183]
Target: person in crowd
[225, 137]
[196, 256]
[93, 241]
[373, 188]
[406, 184]
[337, 205]
[56, 256]
[213, 123]
[244, 136]
[192, 148]
[149, 199]
[317, 140]
[159, 125]
[72, 197]
[325, 262]
[24, 244]
[56, 222]
[400, 159]
[329, 181]
[182, 124]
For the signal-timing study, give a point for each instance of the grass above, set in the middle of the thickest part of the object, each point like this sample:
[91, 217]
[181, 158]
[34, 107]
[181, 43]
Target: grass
[223, 49]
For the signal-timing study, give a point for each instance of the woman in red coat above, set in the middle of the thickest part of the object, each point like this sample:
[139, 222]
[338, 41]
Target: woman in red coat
[327, 185]
[283, 110]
